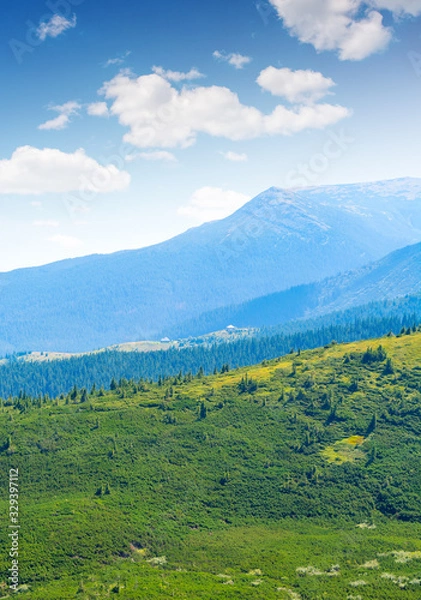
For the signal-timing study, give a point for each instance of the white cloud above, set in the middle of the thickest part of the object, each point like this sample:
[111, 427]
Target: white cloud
[408, 7]
[35, 171]
[113, 61]
[284, 121]
[65, 111]
[98, 109]
[178, 76]
[118, 60]
[349, 27]
[234, 156]
[236, 60]
[295, 86]
[47, 223]
[212, 203]
[160, 116]
[55, 26]
[158, 155]
[57, 123]
[366, 37]
[66, 241]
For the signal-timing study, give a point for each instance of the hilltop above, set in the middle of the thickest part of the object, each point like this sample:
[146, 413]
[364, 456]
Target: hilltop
[296, 478]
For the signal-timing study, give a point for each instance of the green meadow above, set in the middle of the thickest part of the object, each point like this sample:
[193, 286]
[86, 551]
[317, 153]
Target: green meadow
[298, 478]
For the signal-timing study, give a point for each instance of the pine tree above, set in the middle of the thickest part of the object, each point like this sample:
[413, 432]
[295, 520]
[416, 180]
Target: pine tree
[202, 412]
[372, 426]
[388, 369]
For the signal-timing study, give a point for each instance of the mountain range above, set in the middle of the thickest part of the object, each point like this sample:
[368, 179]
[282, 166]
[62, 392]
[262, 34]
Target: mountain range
[279, 240]
[396, 275]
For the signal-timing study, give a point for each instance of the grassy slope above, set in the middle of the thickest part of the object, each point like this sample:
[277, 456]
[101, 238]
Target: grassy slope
[237, 501]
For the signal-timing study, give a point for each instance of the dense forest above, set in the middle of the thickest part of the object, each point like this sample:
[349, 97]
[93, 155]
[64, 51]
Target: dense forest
[59, 376]
[396, 276]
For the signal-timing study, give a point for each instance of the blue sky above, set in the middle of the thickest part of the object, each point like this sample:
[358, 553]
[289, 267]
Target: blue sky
[125, 123]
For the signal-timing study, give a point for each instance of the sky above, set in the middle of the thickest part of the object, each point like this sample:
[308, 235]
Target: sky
[124, 124]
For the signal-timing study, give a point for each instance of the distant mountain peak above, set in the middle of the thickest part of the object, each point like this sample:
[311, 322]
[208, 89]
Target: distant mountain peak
[280, 239]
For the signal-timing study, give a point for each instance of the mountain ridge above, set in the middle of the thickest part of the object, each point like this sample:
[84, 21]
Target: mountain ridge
[394, 276]
[278, 240]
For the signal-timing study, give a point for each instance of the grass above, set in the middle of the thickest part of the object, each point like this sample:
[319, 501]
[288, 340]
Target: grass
[346, 450]
[298, 478]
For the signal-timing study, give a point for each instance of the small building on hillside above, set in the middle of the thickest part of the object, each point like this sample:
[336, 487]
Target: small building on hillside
[165, 340]
[231, 328]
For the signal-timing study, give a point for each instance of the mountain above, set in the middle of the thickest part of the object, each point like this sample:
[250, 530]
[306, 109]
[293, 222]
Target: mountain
[396, 275]
[280, 239]
[299, 478]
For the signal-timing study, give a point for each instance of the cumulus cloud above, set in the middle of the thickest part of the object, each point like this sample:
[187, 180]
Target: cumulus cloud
[34, 171]
[98, 109]
[366, 37]
[350, 27]
[234, 156]
[239, 61]
[66, 241]
[295, 86]
[55, 26]
[65, 111]
[178, 76]
[161, 116]
[212, 203]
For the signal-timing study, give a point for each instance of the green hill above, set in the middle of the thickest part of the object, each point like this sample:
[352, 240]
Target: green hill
[299, 478]
[53, 374]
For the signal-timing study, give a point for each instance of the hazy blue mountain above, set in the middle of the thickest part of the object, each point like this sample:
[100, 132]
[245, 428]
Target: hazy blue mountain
[396, 275]
[280, 239]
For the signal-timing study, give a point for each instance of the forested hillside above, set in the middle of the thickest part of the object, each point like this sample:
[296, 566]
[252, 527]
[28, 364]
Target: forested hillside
[298, 478]
[59, 376]
[396, 275]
